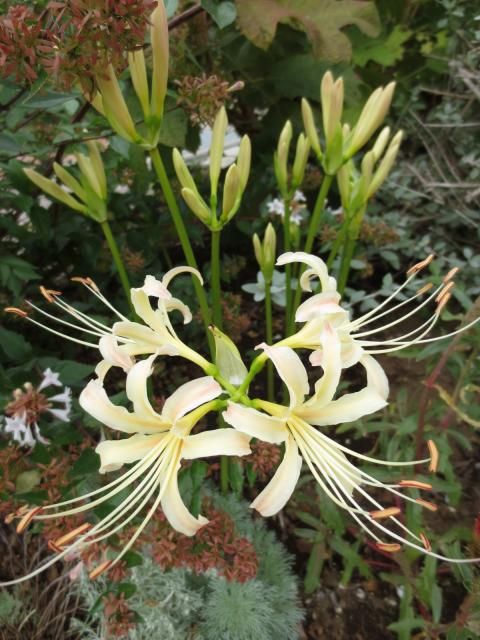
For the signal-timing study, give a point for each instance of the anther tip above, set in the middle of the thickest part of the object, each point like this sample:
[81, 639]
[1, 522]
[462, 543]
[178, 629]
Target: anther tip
[16, 311]
[451, 274]
[426, 541]
[49, 294]
[388, 547]
[443, 302]
[420, 265]
[104, 566]
[434, 456]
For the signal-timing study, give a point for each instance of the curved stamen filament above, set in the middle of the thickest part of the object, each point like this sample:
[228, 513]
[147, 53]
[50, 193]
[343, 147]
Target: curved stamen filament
[65, 322]
[432, 323]
[59, 333]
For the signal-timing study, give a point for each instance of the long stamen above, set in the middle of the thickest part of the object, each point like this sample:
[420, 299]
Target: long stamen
[65, 322]
[92, 287]
[400, 347]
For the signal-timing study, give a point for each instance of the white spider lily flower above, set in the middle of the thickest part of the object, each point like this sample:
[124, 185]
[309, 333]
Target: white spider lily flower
[356, 340]
[326, 459]
[156, 445]
[124, 339]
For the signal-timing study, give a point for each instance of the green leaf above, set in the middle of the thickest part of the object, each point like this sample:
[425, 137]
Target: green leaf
[70, 371]
[314, 567]
[40, 454]
[88, 462]
[14, 345]
[174, 128]
[127, 588]
[235, 475]
[133, 559]
[224, 13]
[385, 50]
[27, 480]
[48, 100]
[322, 20]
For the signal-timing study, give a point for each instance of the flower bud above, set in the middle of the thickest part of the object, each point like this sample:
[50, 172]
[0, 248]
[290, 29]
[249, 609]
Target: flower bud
[310, 128]
[371, 118]
[160, 58]
[331, 97]
[386, 164]
[381, 143]
[115, 107]
[258, 249]
[231, 192]
[228, 358]
[244, 161]
[333, 158]
[216, 150]
[197, 205]
[54, 190]
[98, 168]
[300, 161]
[281, 157]
[265, 252]
[71, 182]
[138, 73]
[183, 174]
[343, 182]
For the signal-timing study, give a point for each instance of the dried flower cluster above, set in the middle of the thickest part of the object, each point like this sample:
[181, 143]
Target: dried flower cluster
[71, 40]
[202, 96]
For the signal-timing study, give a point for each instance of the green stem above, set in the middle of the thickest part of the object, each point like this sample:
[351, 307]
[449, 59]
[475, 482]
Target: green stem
[184, 239]
[269, 336]
[215, 280]
[288, 268]
[347, 255]
[312, 232]
[117, 258]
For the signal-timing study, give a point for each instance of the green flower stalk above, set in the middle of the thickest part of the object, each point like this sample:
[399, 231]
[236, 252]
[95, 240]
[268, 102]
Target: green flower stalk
[88, 196]
[265, 253]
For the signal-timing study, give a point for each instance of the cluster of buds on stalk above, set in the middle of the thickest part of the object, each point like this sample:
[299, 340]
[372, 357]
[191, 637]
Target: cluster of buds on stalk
[358, 187]
[341, 141]
[88, 195]
[290, 181]
[234, 184]
[109, 100]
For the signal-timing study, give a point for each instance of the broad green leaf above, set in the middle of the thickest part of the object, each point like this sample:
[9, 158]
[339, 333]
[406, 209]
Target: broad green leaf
[322, 20]
[14, 345]
[88, 462]
[385, 50]
[27, 480]
[224, 13]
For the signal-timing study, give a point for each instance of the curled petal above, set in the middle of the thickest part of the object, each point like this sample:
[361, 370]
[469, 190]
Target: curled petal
[376, 376]
[95, 401]
[348, 408]
[256, 424]
[317, 266]
[176, 304]
[153, 318]
[326, 387]
[189, 396]
[173, 273]
[154, 288]
[176, 512]
[136, 387]
[291, 370]
[220, 442]
[322, 304]
[115, 453]
[114, 354]
[278, 491]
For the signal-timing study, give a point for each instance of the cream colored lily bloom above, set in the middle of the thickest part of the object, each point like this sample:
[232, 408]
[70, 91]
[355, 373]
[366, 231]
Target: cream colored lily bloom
[156, 445]
[338, 477]
[356, 341]
[123, 340]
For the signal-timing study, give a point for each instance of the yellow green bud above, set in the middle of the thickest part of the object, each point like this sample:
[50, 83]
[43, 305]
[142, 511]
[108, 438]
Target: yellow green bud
[98, 168]
[197, 205]
[265, 252]
[71, 182]
[216, 150]
[89, 174]
[381, 143]
[300, 161]
[228, 358]
[54, 190]
[343, 181]
[138, 73]
[331, 97]
[385, 165]
[183, 174]
[160, 58]
[310, 128]
[244, 161]
[371, 117]
[115, 107]
[281, 157]
[231, 191]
